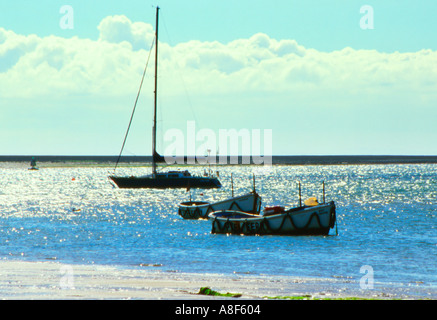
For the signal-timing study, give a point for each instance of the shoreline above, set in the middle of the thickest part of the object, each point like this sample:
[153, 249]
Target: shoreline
[110, 161]
[50, 280]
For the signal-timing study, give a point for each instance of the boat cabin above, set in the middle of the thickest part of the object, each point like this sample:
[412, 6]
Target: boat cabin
[174, 174]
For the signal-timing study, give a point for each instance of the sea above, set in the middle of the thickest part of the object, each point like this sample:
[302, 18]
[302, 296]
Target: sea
[385, 237]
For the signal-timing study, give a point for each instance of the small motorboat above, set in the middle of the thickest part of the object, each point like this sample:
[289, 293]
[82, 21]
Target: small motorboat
[250, 202]
[316, 219]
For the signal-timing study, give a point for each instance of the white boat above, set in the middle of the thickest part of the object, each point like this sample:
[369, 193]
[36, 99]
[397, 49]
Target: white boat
[313, 219]
[250, 202]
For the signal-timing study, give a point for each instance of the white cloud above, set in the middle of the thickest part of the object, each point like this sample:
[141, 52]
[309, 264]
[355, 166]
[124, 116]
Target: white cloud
[13, 47]
[243, 77]
[33, 66]
[114, 62]
[119, 28]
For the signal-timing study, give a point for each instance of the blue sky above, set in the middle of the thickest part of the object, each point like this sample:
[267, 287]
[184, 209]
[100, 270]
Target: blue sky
[307, 70]
[400, 25]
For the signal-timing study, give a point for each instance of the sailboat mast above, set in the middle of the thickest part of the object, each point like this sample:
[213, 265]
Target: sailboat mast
[155, 95]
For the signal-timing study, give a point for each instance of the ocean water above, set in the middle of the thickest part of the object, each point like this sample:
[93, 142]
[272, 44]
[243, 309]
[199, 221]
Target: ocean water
[386, 215]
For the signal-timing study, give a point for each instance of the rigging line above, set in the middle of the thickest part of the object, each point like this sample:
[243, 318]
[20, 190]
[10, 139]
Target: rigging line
[135, 105]
[179, 71]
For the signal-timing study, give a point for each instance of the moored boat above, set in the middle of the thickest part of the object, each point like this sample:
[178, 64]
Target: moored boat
[161, 180]
[164, 180]
[304, 220]
[250, 202]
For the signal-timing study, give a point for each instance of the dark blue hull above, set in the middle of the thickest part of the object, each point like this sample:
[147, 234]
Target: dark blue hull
[166, 182]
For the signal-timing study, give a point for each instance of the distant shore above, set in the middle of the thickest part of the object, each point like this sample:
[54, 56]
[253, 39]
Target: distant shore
[276, 160]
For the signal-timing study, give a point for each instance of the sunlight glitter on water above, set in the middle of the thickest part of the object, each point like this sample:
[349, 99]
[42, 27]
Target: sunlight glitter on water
[386, 218]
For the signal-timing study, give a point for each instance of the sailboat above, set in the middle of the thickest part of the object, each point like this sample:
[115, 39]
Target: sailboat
[170, 179]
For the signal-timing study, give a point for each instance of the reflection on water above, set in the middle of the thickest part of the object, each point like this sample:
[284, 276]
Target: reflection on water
[386, 219]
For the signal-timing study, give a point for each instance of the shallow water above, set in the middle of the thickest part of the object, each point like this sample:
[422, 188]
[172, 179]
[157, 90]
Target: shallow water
[386, 223]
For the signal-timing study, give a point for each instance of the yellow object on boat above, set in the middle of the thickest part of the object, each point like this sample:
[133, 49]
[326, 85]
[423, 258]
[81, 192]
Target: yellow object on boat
[311, 202]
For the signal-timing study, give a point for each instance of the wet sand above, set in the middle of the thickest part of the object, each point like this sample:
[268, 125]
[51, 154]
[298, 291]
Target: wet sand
[20, 280]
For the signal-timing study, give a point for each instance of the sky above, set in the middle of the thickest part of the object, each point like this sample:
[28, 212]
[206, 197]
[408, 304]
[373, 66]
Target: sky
[326, 77]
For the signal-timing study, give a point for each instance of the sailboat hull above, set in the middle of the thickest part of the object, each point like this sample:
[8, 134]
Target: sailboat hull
[166, 182]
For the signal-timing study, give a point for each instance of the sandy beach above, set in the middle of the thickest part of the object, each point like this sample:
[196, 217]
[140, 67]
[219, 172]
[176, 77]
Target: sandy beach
[20, 280]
